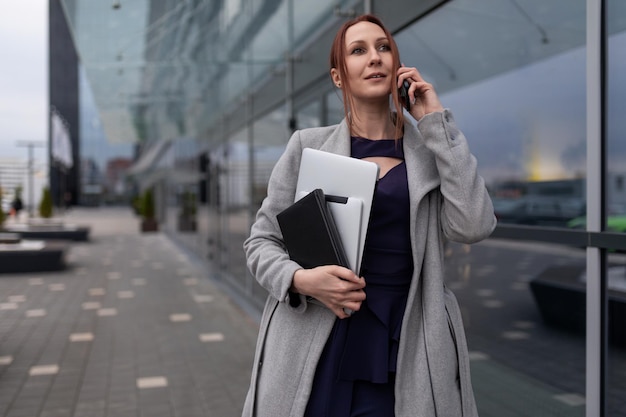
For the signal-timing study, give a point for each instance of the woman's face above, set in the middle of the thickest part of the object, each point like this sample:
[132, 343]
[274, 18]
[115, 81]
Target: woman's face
[369, 62]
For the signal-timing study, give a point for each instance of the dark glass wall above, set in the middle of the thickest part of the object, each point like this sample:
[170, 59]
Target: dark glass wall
[63, 96]
[64, 100]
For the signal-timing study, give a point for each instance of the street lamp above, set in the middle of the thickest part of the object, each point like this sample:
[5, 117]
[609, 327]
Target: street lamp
[30, 145]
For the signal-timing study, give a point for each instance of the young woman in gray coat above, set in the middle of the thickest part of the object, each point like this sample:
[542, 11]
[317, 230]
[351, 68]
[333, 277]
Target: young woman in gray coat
[403, 351]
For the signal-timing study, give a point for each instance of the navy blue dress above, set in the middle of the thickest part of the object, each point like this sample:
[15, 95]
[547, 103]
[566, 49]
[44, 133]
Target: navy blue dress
[355, 375]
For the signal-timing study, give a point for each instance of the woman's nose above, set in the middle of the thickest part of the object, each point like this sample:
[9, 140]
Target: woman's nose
[374, 57]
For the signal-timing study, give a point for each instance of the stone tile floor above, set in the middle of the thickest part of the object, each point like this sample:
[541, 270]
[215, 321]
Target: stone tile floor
[135, 327]
[131, 328]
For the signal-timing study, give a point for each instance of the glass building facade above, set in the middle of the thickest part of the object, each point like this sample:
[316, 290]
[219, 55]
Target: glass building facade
[210, 91]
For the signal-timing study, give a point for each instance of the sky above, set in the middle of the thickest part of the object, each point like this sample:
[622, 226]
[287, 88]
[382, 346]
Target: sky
[23, 76]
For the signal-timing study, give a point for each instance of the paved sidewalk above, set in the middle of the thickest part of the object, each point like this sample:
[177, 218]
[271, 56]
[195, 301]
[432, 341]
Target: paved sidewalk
[132, 328]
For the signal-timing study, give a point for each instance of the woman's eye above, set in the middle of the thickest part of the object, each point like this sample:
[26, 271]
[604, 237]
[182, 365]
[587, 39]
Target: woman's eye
[358, 51]
[384, 48]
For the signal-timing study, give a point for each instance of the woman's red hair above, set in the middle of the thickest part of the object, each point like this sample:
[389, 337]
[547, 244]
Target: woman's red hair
[338, 61]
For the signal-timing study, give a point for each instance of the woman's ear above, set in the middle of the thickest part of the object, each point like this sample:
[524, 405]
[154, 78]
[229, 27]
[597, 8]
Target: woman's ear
[334, 75]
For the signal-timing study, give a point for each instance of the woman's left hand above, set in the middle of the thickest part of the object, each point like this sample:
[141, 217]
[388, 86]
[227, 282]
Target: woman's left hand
[425, 98]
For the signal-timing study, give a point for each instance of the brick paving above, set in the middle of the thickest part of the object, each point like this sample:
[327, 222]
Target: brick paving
[133, 327]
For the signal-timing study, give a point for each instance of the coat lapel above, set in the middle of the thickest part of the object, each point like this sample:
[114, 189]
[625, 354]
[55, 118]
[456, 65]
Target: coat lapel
[339, 141]
[421, 170]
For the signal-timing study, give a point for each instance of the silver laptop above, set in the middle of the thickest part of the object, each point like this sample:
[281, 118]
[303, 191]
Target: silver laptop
[349, 185]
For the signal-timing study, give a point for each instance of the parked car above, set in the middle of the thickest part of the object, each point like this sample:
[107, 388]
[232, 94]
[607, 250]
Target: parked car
[538, 210]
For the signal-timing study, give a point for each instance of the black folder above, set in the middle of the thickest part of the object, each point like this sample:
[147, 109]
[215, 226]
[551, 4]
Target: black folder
[310, 233]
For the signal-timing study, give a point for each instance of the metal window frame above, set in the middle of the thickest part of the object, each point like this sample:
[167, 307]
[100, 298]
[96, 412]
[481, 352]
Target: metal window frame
[596, 298]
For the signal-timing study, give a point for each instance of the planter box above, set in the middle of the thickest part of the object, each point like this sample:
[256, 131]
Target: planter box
[186, 224]
[149, 225]
[52, 231]
[560, 295]
[33, 256]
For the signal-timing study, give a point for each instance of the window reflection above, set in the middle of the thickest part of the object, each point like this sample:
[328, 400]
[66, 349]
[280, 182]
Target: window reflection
[530, 141]
[616, 128]
[334, 107]
[616, 205]
[309, 115]
[514, 76]
[525, 332]
[518, 95]
[103, 164]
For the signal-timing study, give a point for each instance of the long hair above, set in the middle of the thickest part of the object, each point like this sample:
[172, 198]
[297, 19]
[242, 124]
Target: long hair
[338, 61]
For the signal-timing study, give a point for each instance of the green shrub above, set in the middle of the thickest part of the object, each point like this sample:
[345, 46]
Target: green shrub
[147, 207]
[45, 206]
[136, 203]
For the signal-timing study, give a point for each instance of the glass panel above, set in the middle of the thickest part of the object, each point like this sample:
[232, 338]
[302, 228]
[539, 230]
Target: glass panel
[523, 307]
[513, 73]
[310, 16]
[184, 180]
[211, 220]
[270, 139]
[309, 116]
[334, 107]
[103, 164]
[616, 205]
[110, 43]
[233, 187]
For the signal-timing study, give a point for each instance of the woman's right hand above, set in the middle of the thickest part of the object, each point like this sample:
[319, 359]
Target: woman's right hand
[336, 287]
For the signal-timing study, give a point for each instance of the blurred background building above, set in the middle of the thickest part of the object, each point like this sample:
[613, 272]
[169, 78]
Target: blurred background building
[15, 175]
[196, 100]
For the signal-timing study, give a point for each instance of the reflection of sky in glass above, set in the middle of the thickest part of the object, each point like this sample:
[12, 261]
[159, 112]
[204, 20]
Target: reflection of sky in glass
[530, 123]
[93, 142]
[617, 104]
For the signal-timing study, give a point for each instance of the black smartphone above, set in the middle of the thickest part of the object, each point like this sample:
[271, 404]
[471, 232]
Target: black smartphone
[403, 91]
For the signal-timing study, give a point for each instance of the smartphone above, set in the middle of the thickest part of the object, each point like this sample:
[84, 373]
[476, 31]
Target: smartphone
[403, 91]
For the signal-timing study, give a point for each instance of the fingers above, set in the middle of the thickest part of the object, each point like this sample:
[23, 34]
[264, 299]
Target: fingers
[418, 84]
[424, 99]
[335, 286]
[351, 304]
[408, 73]
[329, 278]
[348, 301]
[345, 274]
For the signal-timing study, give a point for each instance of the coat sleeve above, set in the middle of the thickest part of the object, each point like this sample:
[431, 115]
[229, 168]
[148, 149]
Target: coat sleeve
[266, 255]
[467, 214]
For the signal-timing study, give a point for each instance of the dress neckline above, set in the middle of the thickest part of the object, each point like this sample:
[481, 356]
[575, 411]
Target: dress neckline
[373, 140]
[364, 148]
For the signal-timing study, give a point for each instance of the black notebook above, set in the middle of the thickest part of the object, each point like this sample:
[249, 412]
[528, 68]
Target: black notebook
[310, 233]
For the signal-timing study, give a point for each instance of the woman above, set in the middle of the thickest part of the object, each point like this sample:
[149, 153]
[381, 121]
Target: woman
[403, 351]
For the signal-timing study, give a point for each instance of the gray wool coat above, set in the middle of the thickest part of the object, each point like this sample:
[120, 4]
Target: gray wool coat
[448, 200]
